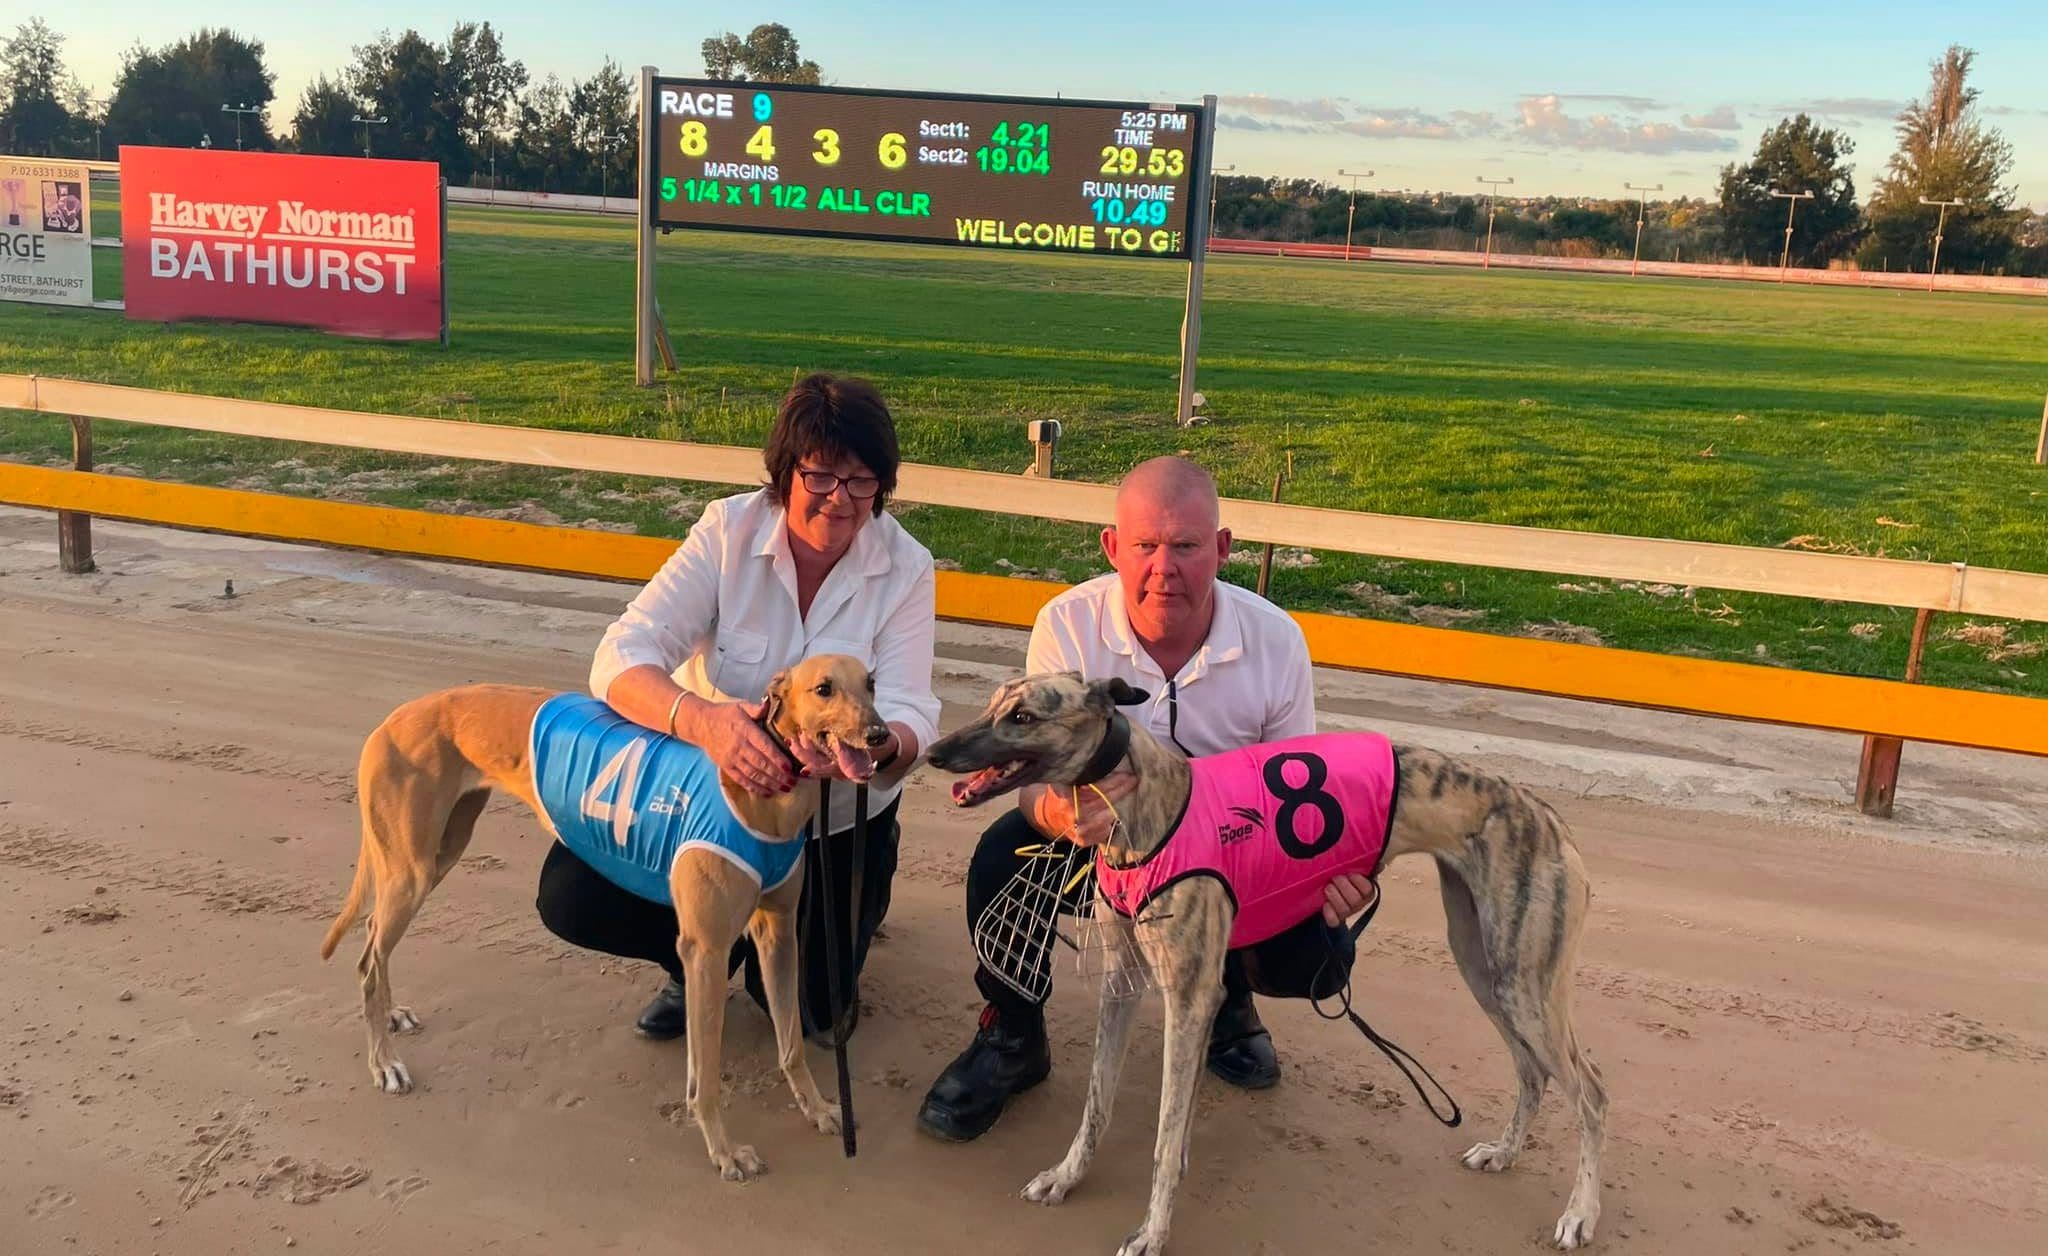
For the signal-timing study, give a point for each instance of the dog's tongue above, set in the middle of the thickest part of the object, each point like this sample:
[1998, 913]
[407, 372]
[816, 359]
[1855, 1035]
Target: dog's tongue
[967, 789]
[855, 765]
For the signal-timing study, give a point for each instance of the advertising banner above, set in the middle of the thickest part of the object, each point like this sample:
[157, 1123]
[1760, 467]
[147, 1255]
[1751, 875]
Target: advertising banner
[345, 244]
[45, 232]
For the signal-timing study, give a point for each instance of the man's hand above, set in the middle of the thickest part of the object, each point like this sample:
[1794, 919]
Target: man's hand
[1346, 896]
[1051, 811]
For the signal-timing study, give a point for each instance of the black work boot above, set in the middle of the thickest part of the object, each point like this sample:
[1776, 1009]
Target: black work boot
[1007, 1057]
[668, 1016]
[1240, 1049]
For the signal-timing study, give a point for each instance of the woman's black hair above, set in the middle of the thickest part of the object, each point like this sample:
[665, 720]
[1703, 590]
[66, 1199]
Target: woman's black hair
[827, 418]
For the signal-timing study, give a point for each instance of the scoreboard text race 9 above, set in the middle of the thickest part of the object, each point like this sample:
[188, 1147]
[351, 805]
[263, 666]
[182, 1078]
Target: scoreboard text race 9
[995, 171]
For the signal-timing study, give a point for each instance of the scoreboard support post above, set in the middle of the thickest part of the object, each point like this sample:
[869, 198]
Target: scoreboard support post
[643, 253]
[1198, 249]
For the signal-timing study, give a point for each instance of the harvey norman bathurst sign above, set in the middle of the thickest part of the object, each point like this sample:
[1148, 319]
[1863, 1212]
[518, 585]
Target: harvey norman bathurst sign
[345, 244]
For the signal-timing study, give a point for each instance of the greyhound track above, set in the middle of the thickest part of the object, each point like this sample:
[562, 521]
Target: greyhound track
[1818, 1033]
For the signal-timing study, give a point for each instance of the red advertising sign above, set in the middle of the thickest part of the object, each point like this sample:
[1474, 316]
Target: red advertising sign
[345, 244]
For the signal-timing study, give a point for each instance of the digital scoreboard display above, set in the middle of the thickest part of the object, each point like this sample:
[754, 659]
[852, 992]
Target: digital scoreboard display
[990, 171]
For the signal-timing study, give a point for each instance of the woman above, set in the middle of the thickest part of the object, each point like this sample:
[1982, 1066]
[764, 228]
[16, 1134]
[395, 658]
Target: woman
[808, 565]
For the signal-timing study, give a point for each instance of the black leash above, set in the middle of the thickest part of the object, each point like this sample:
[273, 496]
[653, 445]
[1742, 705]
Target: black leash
[1393, 1051]
[843, 1001]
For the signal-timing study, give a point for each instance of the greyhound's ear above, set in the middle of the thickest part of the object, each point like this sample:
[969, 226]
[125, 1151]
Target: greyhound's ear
[777, 694]
[1118, 692]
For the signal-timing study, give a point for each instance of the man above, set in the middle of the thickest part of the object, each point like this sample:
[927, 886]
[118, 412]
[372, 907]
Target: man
[1224, 668]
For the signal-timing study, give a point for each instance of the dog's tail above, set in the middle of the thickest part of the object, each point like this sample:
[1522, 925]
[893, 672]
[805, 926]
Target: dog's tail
[364, 885]
[351, 908]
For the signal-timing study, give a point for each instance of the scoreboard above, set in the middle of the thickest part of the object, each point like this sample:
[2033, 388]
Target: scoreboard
[1065, 176]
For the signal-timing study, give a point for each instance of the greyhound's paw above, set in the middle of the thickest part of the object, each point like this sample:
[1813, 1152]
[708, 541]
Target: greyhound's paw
[1143, 1243]
[825, 1118]
[1575, 1227]
[739, 1165]
[403, 1021]
[1051, 1186]
[1490, 1157]
[391, 1077]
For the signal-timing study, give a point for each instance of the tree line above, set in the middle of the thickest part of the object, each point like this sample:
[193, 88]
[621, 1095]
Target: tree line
[465, 103]
[1945, 153]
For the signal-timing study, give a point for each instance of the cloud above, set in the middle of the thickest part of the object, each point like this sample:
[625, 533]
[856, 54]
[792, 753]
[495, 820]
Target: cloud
[1245, 122]
[1544, 121]
[1847, 107]
[1393, 124]
[1324, 109]
[1326, 117]
[1638, 103]
[1721, 119]
[2010, 111]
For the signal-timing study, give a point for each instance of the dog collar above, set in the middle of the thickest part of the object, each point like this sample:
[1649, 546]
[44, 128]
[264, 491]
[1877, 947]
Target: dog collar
[1116, 742]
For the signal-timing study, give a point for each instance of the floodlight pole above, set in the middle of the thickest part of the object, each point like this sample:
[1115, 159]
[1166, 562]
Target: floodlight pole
[1791, 200]
[367, 124]
[1494, 186]
[1213, 170]
[238, 111]
[605, 140]
[1352, 212]
[1642, 208]
[1939, 223]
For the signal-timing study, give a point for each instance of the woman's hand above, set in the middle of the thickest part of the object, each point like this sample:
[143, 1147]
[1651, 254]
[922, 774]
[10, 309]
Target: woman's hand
[731, 733]
[1051, 811]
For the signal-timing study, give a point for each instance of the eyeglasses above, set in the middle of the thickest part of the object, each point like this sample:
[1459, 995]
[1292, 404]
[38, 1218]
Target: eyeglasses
[825, 483]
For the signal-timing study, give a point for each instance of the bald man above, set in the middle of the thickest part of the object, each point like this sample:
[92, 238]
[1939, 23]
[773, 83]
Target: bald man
[1225, 668]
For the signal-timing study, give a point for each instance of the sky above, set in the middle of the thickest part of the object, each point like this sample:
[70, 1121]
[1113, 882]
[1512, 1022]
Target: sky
[1564, 98]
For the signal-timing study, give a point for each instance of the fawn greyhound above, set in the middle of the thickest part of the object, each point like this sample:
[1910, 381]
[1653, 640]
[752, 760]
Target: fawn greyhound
[1514, 890]
[427, 771]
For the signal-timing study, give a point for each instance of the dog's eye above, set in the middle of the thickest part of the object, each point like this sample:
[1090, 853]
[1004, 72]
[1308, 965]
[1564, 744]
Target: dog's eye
[1022, 717]
[824, 690]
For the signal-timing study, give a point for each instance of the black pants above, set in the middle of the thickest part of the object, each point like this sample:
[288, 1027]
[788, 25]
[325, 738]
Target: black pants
[579, 906]
[1311, 960]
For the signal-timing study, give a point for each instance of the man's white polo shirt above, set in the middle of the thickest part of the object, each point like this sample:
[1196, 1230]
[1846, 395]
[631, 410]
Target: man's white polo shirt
[1249, 682]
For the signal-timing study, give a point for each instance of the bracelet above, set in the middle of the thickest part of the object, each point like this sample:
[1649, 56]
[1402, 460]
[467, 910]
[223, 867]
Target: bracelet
[673, 707]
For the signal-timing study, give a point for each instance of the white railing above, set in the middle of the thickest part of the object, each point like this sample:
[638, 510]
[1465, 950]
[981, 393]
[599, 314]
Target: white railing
[1953, 587]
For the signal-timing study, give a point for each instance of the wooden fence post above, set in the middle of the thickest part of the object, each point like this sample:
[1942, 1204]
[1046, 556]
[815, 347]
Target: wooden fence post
[74, 530]
[2041, 445]
[1044, 435]
[1266, 555]
[1877, 777]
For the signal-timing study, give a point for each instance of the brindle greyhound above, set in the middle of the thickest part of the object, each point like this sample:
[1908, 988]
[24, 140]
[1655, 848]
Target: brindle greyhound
[428, 770]
[1514, 890]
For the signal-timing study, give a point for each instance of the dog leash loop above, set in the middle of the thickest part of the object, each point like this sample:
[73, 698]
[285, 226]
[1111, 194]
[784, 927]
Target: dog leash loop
[1392, 1050]
[1401, 1058]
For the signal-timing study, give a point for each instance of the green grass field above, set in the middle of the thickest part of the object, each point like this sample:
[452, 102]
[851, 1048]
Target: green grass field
[1897, 423]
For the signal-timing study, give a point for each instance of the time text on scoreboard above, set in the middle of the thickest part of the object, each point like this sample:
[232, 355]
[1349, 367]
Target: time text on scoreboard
[1001, 172]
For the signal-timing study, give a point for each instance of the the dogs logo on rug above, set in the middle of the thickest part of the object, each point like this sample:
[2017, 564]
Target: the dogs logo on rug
[1231, 834]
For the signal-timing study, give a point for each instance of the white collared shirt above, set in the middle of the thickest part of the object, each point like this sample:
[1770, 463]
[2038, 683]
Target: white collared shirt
[721, 618]
[1250, 681]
